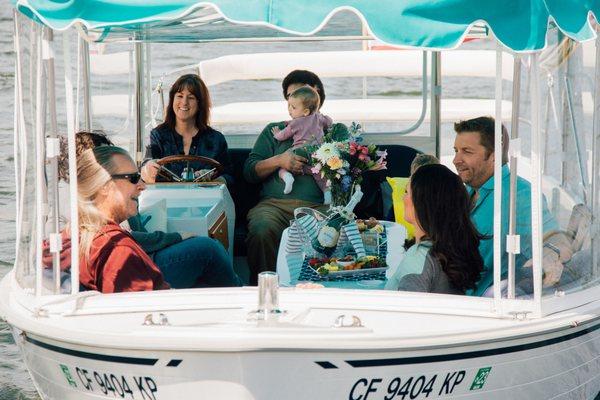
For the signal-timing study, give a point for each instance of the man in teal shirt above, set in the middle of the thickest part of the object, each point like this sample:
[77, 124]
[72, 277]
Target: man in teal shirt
[474, 162]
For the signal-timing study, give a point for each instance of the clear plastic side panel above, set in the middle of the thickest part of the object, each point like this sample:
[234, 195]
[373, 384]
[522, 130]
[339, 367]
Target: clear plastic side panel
[569, 166]
[568, 81]
[112, 92]
[550, 179]
[26, 36]
[515, 181]
[40, 160]
[61, 64]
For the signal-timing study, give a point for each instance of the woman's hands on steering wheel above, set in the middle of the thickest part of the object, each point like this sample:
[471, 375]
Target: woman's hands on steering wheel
[152, 168]
[204, 175]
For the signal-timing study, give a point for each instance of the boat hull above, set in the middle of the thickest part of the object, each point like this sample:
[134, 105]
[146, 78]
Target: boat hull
[557, 365]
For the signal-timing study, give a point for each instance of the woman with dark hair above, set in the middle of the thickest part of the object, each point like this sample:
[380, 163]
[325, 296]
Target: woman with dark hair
[445, 257]
[186, 131]
[272, 214]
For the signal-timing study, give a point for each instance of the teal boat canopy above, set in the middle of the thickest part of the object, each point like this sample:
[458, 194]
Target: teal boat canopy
[521, 25]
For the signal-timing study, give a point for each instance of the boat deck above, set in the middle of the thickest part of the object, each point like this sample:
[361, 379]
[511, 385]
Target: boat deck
[216, 319]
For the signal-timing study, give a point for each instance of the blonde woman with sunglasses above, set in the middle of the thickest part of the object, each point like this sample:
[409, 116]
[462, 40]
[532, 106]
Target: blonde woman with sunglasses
[112, 259]
[109, 185]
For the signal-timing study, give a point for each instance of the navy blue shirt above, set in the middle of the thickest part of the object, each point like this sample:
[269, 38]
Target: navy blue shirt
[165, 141]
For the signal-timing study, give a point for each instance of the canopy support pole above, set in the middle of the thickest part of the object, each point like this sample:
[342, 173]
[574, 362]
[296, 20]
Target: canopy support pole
[148, 83]
[514, 134]
[581, 156]
[595, 201]
[536, 185]
[39, 159]
[20, 139]
[436, 99]
[87, 96]
[71, 118]
[139, 80]
[48, 55]
[498, 184]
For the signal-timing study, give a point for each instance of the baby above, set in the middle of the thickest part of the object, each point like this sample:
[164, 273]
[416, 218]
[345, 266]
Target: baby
[306, 127]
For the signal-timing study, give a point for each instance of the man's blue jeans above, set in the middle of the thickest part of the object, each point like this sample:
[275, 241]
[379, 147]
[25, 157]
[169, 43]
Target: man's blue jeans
[196, 262]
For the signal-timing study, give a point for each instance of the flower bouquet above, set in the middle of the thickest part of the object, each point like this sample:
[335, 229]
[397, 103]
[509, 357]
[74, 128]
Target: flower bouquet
[341, 160]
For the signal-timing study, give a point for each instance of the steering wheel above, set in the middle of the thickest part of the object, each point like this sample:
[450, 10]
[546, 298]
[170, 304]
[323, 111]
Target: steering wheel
[167, 174]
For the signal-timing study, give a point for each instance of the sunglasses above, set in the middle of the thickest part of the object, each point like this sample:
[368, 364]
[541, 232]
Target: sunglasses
[133, 178]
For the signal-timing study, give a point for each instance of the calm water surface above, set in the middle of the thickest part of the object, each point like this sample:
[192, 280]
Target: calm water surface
[14, 379]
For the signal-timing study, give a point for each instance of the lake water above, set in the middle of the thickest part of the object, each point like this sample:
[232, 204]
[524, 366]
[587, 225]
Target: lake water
[15, 382]
[14, 379]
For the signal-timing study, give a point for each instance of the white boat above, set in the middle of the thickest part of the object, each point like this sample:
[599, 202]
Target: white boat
[331, 342]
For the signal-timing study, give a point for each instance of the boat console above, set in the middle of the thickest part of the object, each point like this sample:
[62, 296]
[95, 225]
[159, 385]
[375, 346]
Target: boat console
[205, 209]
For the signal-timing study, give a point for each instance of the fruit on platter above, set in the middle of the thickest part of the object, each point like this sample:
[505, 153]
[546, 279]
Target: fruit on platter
[324, 266]
[369, 225]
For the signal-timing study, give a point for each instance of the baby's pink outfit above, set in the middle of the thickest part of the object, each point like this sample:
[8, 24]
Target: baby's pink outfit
[306, 130]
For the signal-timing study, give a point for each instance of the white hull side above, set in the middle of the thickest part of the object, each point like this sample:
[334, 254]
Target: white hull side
[560, 365]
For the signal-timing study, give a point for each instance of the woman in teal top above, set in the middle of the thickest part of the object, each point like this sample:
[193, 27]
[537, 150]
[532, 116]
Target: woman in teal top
[445, 257]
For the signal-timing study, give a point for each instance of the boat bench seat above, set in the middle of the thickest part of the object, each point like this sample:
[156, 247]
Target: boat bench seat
[348, 110]
[245, 196]
[376, 200]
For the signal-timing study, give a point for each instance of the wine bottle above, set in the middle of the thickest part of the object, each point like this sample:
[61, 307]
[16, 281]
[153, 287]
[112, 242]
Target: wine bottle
[329, 233]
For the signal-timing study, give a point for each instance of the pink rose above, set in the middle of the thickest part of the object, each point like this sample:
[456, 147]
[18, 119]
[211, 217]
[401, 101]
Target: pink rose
[363, 157]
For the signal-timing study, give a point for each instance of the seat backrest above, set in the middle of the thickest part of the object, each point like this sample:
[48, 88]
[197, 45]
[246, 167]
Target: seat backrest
[376, 201]
[348, 63]
[399, 159]
[245, 195]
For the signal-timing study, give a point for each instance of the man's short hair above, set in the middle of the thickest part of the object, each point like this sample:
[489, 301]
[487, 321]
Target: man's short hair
[303, 77]
[422, 159]
[485, 126]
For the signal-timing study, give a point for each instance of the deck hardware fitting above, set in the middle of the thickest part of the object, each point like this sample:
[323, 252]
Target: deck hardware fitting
[347, 321]
[162, 320]
[519, 315]
[268, 297]
[40, 312]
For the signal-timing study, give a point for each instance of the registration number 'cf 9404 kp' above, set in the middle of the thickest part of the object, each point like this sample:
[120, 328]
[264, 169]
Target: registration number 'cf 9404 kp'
[110, 384]
[416, 387]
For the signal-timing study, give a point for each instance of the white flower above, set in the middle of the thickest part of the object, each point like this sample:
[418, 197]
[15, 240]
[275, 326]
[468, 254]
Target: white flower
[326, 151]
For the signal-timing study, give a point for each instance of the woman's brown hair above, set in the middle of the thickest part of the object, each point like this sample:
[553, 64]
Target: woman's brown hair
[196, 86]
[442, 207]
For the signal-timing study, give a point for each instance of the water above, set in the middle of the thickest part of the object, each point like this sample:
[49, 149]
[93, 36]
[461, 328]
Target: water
[15, 382]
